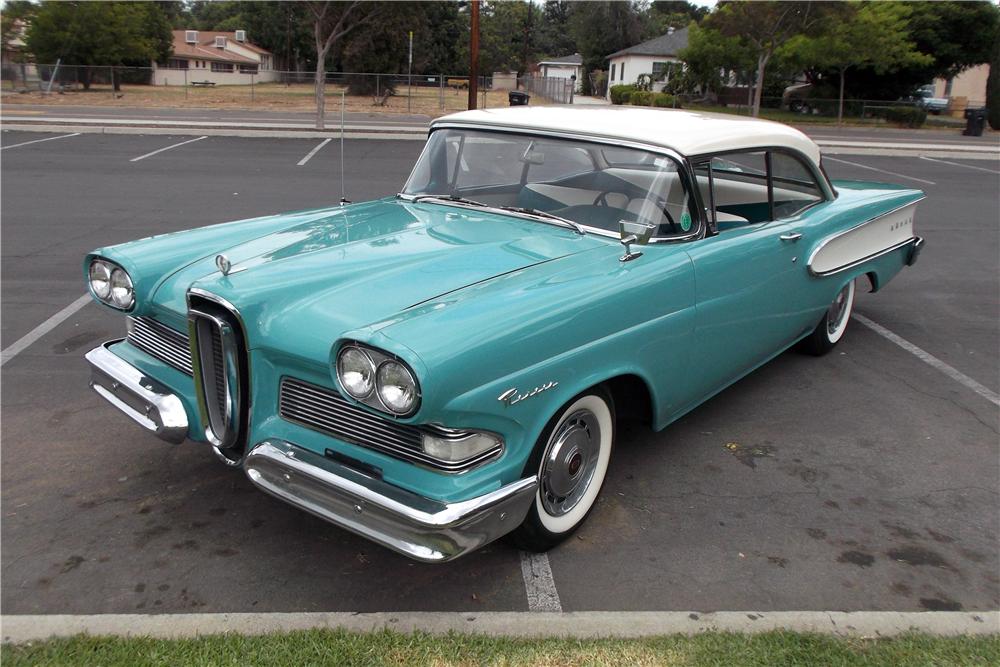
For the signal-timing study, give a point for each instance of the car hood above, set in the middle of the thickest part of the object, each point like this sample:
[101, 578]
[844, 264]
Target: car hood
[349, 267]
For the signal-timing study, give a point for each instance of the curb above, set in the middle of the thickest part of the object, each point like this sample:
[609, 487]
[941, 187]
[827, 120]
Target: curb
[219, 132]
[586, 624]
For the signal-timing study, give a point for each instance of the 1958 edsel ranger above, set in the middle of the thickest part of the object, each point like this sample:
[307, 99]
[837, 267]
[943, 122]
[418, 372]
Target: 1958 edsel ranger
[442, 367]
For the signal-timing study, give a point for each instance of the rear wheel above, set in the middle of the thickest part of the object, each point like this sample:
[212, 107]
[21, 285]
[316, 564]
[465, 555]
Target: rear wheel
[831, 328]
[571, 460]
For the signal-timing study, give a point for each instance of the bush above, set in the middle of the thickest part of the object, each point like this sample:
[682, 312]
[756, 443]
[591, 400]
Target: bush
[640, 98]
[906, 116]
[666, 101]
[619, 93]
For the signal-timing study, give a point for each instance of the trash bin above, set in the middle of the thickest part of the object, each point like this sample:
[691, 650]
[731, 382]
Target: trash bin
[975, 121]
[518, 98]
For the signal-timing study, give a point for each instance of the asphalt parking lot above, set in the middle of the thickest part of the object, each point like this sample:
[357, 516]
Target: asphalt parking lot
[863, 480]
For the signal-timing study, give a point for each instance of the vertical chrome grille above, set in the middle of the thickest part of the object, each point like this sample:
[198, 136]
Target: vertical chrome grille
[161, 342]
[219, 365]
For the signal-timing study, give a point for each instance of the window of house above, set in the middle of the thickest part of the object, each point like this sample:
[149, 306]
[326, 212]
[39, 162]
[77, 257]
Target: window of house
[177, 63]
[222, 67]
[612, 71]
[248, 69]
[746, 188]
[622, 70]
[659, 69]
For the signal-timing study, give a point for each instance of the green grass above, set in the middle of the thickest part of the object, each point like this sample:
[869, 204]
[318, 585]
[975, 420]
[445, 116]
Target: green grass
[795, 118]
[336, 647]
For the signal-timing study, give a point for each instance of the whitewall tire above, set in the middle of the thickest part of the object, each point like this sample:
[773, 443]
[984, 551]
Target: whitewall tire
[571, 461]
[832, 327]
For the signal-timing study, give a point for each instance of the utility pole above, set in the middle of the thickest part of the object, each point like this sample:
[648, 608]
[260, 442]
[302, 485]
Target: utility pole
[409, 76]
[474, 54]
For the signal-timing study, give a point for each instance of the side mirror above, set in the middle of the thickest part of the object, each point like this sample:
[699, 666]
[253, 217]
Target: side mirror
[634, 232]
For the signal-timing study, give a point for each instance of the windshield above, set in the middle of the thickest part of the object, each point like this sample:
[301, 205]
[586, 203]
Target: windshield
[593, 185]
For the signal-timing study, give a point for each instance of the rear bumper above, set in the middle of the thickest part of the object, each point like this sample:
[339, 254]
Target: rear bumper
[914, 252]
[143, 399]
[421, 528]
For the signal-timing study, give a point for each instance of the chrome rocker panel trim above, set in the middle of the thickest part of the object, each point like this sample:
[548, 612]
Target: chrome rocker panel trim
[418, 527]
[139, 396]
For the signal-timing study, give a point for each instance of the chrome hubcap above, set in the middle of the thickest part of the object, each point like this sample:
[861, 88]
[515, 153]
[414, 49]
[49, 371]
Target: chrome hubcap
[837, 311]
[570, 462]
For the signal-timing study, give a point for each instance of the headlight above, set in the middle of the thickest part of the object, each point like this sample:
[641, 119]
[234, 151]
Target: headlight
[396, 387]
[356, 372]
[461, 445]
[122, 294]
[111, 284]
[100, 279]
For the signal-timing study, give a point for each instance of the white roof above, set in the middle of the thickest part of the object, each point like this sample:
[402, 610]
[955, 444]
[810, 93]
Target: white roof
[687, 132]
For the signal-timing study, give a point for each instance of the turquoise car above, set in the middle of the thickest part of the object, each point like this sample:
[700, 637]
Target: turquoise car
[446, 366]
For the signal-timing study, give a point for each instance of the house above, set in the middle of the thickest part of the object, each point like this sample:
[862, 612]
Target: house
[650, 57]
[967, 89]
[216, 57]
[565, 67]
[16, 64]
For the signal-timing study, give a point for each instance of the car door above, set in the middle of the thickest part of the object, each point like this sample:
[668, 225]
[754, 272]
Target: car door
[751, 277]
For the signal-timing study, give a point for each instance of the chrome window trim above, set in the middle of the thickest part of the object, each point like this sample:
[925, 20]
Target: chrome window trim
[829, 239]
[683, 167]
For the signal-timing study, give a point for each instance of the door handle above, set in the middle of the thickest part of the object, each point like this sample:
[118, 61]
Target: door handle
[792, 236]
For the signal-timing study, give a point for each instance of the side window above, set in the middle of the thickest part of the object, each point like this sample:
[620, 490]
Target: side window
[795, 188]
[739, 189]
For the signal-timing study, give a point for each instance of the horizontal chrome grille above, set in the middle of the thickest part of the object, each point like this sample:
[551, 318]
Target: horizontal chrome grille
[327, 411]
[160, 341]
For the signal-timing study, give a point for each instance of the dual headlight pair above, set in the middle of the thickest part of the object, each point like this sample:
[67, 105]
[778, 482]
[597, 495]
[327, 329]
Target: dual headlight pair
[385, 383]
[111, 284]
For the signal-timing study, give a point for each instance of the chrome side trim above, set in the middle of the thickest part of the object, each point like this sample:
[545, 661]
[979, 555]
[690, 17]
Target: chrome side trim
[418, 527]
[829, 239]
[861, 261]
[140, 397]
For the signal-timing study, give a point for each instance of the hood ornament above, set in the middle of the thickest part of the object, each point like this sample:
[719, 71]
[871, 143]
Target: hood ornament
[225, 266]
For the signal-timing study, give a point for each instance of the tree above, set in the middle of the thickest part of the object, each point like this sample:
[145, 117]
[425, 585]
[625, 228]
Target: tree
[871, 34]
[331, 22]
[765, 26]
[99, 33]
[709, 53]
[553, 38]
[601, 28]
[665, 14]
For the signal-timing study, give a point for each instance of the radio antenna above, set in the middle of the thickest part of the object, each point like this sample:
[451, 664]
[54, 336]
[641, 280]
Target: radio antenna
[343, 191]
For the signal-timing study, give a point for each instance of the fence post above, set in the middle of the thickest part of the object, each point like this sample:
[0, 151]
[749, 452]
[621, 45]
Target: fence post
[185, 84]
[441, 91]
[252, 99]
[378, 86]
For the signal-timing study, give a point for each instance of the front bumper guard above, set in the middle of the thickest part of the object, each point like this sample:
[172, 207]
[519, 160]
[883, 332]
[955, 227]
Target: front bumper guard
[418, 527]
[146, 401]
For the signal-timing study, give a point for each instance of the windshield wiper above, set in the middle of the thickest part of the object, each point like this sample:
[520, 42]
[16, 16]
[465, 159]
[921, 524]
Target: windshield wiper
[451, 198]
[546, 216]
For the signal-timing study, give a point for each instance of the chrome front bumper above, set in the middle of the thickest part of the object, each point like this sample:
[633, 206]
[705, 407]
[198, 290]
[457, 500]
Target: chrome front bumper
[421, 528]
[139, 396]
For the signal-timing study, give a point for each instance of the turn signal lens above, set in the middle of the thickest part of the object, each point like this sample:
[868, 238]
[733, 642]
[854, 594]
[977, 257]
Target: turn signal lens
[460, 447]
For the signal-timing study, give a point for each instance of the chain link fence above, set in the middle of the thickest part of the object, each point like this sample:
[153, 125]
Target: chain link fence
[218, 85]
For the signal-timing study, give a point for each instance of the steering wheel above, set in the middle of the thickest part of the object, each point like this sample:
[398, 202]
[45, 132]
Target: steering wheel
[602, 199]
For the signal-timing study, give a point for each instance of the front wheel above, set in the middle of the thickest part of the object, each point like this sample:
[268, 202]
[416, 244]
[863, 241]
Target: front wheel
[831, 328]
[571, 460]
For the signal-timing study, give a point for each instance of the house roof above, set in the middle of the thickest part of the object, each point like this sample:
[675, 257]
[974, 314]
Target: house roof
[575, 59]
[205, 48]
[687, 132]
[664, 45]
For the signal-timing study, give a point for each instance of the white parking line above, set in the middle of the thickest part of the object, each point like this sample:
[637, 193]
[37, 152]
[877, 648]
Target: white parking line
[891, 173]
[538, 583]
[958, 164]
[42, 329]
[38, 141]
[167, 148]
[313, 152]
[931, 360]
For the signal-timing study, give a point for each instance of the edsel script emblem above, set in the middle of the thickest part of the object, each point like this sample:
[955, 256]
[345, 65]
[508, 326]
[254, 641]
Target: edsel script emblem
[511, 396]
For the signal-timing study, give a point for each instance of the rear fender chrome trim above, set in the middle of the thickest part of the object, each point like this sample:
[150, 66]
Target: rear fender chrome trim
[143, 399]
